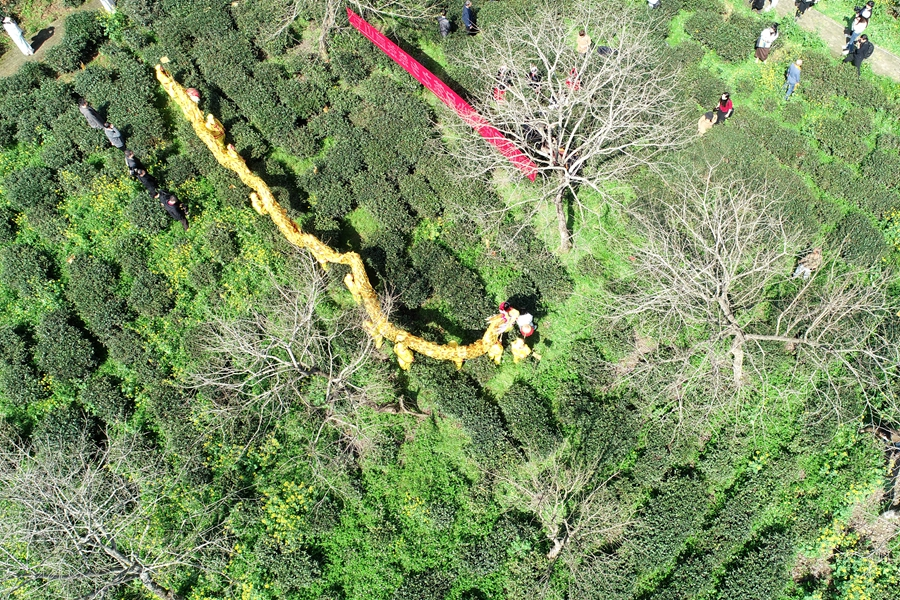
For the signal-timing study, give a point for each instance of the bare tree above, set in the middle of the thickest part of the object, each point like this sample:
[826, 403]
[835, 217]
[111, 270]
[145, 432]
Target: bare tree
[80, 520]
[712, 285]
[255, 368]
[325, 12]
[583, 119]
[578, 512]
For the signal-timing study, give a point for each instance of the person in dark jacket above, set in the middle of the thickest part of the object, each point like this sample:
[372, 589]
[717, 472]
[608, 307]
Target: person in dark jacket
[468, 18]
[146, 180]
[173, 207]
[862, 50]
[803, 6]
[443, 24]
[132, 162]
[113, 135]
[92, 116]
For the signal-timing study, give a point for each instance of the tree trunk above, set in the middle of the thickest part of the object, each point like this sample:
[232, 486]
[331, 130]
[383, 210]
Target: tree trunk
[328, 20]
[561, 221]
[158, 590]
[558, 544]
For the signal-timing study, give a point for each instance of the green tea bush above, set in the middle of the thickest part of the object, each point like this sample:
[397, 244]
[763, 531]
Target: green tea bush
[7, 227]
[63, 351]
[453, 283]
[823, 81]
[382, 199]
[146, 214]
[882, 165]
[64, 424]
[19, 380]
[103, 397]
[835, 139]
[888, 141]
[859, 241]
[24, 268]
[529, 418]
[31, 186]
[702, 86]
[203, 275]
[418, 194]
[221, 243]
[731, 39]
[48, 222]
[531, 256]
[150, 295]
[761, 570]
[455, 394]
[793, 112]
[91, 288]
[84, 33]
[686, 54]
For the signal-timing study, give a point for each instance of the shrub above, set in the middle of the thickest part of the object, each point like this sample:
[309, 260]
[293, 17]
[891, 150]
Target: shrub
[835, 139]
[529, 418]
[31, 186]
[731, 39]
[62, 350]
[48, 222]
[882, 165]
[23, 268]
[7, 227]
[91, 288]
[84, 33]
[453, 283]
[146, 214]
[531, 256]
[19, 381]
[220, 242]
[702, 86]
[793, 112]
[64, 424]
[455, 393]
[860, 242]
[150, 294]
[418, 194]
[104, 398]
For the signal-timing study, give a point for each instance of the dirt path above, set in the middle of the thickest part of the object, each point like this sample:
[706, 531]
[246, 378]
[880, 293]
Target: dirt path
[41, 42]
[882, 62]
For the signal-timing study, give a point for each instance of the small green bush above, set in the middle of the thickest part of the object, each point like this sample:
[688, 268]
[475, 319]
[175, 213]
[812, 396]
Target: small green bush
[19, 380]
[882, 166]
[91, 288]
[146, 214]
[529, 418]
[453, 283]
[702, 86]
[150, 294]
[860, 242]
[731, 39]
[104, 398]
[31, 186]
[84, 33]
[23, 268]
[836, 139]
[221, 243]
[63, 351]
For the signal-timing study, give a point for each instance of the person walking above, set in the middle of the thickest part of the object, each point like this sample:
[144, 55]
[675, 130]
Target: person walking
[468, 18]
[654, 3]
[793, 77]
[583, 44]
[808, 264]
[175, 209]
[443, 24]
[113, 135]
[764, 44]
[132, 163]
[91, 115]
[757, 5]
[803, 6]
[857, 27]
[146, 180]
[866, 11]
[771, 6]
[862, 50]
[18, 36]
[724, 109]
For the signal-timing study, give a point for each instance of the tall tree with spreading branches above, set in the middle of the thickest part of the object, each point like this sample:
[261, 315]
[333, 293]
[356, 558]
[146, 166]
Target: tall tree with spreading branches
[712, 285]
[584, 119]
[79, 519]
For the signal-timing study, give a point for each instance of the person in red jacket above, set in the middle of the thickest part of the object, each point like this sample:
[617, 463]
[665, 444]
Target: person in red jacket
[724, 109]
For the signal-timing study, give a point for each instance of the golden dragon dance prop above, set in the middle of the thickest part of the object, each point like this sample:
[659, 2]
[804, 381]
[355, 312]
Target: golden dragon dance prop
[212, 133]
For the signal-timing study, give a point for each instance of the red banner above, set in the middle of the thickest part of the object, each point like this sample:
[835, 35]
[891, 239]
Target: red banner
[445, 94]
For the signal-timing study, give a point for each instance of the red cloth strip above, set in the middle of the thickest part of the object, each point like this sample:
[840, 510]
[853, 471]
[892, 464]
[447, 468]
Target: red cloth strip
[445, 94]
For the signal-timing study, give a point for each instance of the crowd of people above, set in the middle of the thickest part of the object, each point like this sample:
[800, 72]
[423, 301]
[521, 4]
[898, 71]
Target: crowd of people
[166, 199]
